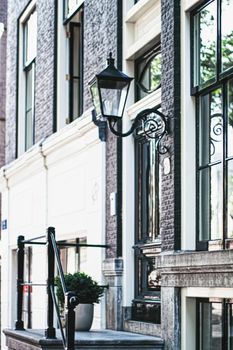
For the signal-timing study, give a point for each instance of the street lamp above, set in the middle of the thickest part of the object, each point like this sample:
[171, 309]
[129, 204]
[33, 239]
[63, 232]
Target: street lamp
[109, 91]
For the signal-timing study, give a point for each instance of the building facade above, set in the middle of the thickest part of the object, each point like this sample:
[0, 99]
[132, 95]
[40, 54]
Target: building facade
[162, 206]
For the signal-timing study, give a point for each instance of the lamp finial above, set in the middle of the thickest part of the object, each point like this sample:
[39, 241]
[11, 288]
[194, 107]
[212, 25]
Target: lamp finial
[110, 60]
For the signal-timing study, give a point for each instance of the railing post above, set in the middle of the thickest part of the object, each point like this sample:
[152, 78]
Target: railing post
[20, 262]
[70, 303]
[50, 332]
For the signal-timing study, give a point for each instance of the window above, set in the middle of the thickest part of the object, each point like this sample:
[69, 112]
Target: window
[146, 305]
[213, 88]
[213, 43]
[71, 7]
[26, 71]
[69, 66]
[75, 88]
[148, 73]
[73, 258]
[214, 324]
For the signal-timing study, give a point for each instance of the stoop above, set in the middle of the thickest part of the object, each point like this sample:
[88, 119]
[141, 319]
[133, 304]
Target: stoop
[96, 339]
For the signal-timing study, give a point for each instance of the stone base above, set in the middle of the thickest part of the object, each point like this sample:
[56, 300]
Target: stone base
[98, 340]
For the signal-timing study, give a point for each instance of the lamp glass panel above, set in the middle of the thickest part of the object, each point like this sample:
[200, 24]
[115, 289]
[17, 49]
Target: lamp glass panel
[95, 98]
[113, 100]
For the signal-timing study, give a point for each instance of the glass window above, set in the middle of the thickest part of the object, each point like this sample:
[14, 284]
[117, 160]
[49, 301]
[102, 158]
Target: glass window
[214, 324]
[73, 258]
[30, 38]
[148, 73]
[214, 123]
[212, 42]
[75, 86]
[227, 34]
[71, 7]
[29, 55]
[205, 44]
[146, 305]
[147, 190]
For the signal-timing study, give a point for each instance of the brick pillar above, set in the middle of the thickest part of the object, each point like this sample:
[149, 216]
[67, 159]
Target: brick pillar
[170, 86]
[171, 183]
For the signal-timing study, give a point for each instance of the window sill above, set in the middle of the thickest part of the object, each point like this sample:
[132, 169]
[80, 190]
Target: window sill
[139, 9]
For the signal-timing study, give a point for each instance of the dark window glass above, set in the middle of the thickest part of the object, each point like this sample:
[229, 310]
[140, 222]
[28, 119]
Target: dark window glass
[147, 190]
[146, 305]
[214, 324]
[29, 55]
[75, 71]
[148, 73]
[227, 34]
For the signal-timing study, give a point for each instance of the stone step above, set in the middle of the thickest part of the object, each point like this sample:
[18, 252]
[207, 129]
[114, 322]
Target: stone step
[94, 339]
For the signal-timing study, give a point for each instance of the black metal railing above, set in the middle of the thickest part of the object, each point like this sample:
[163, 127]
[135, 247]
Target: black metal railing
[53, 256]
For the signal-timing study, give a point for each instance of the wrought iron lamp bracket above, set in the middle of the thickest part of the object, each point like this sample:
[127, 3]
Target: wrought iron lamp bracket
[150, 122]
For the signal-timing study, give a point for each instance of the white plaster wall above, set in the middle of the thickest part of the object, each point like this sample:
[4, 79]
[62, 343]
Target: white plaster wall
[60, 184]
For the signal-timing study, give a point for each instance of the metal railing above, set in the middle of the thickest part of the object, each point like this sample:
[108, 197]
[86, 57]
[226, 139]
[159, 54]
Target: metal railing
[52, 247]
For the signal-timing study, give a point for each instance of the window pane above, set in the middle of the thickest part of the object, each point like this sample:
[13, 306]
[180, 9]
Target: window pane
[230, 120]
[210, 203]
[211, 128]
[76, 51]
[29, 108]
[230, 199]
[230, 326]
[75, 99]
[148, 70]
[204, 210]
[29, 129]
[216, 201]
[30, 38]
[216, 126]
[210, 327]
[205, 23]
[148, 191]
[227, 34]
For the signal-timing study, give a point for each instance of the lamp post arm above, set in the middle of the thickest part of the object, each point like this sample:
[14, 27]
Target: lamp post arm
[136, 121]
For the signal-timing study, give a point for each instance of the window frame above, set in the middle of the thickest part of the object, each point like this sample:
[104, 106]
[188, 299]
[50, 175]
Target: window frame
[220, 76]
[72, 25]
[23, 67]
[225, 303]
[221, 81]
[154, 51]
[68, 17]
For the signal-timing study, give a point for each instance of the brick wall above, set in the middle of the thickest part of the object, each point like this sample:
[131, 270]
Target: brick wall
[100, 37]
[44, 96]
[3, 19]
[170, 89]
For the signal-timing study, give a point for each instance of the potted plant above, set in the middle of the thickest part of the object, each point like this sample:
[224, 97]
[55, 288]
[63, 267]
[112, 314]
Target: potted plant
[87, 292]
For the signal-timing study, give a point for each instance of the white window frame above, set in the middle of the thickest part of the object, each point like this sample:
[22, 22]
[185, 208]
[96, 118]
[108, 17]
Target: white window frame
[21, 115]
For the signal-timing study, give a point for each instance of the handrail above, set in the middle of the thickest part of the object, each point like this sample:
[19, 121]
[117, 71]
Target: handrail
[53, 256]
[58, 262]
[58, 318]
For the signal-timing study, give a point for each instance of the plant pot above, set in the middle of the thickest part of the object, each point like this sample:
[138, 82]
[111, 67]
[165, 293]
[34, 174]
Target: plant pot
[84, 317]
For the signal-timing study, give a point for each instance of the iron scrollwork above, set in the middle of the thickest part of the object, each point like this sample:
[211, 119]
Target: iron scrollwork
[149, 122]
[216, 130]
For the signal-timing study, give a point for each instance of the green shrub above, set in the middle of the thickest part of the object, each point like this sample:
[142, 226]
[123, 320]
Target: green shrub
[85, 288]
